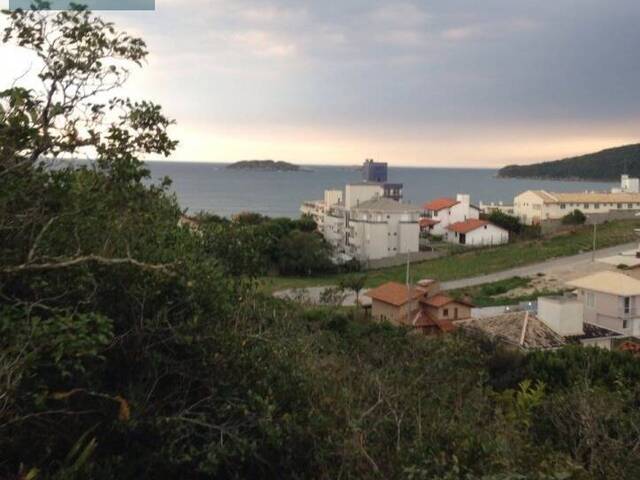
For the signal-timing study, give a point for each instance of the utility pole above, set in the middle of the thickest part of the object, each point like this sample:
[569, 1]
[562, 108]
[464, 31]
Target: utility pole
[408, 290]
[595, 232]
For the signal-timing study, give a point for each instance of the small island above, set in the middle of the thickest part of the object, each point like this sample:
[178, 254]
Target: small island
[264, 165]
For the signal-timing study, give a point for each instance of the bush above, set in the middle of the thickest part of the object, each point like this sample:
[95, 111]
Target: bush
[574, 218]
[508, 222]
[304, 253]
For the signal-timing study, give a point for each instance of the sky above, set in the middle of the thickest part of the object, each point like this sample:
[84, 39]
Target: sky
[452, 83]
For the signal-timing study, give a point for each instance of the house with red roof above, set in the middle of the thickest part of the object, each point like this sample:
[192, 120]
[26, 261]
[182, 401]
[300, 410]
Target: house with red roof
[423, 306]
[439, 213]
[476, 233]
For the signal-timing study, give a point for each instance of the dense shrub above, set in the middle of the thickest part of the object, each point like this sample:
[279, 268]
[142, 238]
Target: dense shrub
[574, 218]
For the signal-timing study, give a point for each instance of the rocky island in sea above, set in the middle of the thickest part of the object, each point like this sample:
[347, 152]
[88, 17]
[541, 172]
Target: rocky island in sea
[264, 165]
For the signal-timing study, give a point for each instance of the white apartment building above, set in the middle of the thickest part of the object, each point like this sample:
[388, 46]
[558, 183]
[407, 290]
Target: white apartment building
[443, 212]
[382, 227]
[357, 193]
[535, 206]
[318, 209]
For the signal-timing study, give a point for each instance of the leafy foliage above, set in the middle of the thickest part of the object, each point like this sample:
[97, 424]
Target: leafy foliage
[133, 347]
[574, 218]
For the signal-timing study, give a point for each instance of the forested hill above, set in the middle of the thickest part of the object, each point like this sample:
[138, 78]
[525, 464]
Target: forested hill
[605, 165]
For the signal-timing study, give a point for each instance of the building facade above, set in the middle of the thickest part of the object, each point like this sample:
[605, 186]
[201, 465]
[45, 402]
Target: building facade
[536, 206]
[443, 212]
[381, 228]
[610, 300]
[476, 233]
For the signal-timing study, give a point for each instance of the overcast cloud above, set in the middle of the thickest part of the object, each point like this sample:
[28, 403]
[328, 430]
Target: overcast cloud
[440, 82]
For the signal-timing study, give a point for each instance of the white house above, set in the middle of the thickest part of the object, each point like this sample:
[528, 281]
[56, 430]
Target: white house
[443, 212]
[611, 300]
[381, 228]
[476, 233]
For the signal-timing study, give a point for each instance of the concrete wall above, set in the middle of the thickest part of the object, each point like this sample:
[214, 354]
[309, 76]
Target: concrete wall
[400, 259]
[564, 316]
[553, 226]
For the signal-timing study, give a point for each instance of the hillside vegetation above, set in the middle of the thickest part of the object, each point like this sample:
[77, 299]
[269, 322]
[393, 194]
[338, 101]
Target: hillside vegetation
[606, 165]
[135, 348]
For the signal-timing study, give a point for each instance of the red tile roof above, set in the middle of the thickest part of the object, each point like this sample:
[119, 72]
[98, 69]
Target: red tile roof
[440, 300]
[428, 222]
[467, 226]
[394, 293]
[440, 204]
[425, 320]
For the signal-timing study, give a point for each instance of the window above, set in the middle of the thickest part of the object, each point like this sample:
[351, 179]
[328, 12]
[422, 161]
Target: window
[625, 323]
[626, 301]
[563, 206]
[445, 312]
[590, 299]
[619, 205]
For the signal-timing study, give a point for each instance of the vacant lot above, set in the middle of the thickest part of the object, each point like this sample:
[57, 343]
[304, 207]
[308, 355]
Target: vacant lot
[484, 261]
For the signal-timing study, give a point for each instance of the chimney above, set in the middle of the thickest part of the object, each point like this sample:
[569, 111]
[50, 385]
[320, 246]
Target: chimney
[429, 286]
[463, 198]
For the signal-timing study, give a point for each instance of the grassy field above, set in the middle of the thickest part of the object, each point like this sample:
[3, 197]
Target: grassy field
[483, 261]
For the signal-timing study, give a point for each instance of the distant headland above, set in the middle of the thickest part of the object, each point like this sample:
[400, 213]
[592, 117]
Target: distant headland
[603, 166]
[265, 165]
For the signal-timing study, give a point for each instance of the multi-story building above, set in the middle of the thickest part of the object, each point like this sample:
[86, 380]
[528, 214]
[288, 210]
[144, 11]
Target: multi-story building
[347, 222]
[535, 206]
[318, 209]
[382, 227]
[611, 300]
[443, 212]
[376, 172]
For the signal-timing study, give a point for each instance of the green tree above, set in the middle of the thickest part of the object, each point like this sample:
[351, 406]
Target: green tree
[574, 218]
[355, 283]
[304, 253]
[506, 221]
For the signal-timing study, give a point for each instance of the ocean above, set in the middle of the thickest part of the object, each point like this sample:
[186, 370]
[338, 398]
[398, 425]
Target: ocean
[212, 188]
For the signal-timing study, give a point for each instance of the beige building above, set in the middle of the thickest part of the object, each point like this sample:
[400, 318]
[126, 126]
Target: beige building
[611, 300]
[535, 206]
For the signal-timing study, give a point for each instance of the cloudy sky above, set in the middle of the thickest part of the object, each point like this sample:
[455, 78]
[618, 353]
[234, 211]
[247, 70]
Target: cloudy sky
[431, 82]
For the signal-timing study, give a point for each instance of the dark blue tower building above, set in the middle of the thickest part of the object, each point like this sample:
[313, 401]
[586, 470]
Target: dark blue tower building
[376, 172]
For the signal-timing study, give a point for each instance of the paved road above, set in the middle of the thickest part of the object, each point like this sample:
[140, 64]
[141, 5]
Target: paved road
[573, 266]
[574, 262]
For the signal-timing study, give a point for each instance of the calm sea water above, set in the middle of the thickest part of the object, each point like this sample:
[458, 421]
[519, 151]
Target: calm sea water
[212, 188]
